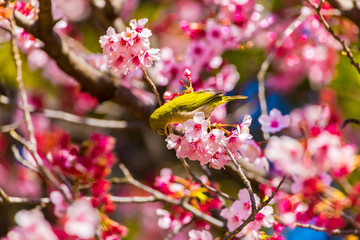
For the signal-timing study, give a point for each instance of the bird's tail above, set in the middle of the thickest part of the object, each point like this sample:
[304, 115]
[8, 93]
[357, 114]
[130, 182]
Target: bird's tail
[237, 97]
[226, 99]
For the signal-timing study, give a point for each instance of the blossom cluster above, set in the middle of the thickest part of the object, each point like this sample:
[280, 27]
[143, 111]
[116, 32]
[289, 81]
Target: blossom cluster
[315, 156]
[210, 147]
[241, 210]
[129, 50]
[323, 150]
[310, 51]
[88, 164]
[178, 188]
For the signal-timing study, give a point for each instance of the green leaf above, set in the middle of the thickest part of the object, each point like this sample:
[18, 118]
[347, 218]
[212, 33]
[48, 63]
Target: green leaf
[347, 87]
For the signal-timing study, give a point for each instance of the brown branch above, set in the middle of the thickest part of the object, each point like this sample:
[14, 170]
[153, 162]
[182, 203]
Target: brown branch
[24, 162]
[335, 232]
[253, 213]
[352, 12]
[97, 83]
[350, 120]
[244, 179]
[94, 122]
[265, 65]
[179, 202]
[9, 127]
[69, 117]
[328, 28]
[108, 14]
[41, 169]
[6, 199]
[153, 87]
[20, 85]
[196, 179]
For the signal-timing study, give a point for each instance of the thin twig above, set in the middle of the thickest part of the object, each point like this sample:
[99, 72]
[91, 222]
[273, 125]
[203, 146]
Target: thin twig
[9, 127]
[328, 28]
[42, 170]
[253, 213]
[134, 199]
[94, 122]
[108, 15]
[19, 138]
[196, 179]
[341, 232]
[20, 84]
[179, 202]
[24, 162]
[99, 84]
[72, 118]
[244, 179]
[350, 120]
[5, 198]
[153, 87]
[265, 65]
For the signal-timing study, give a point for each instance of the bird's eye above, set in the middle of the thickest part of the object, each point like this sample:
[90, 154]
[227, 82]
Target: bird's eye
[161, 132]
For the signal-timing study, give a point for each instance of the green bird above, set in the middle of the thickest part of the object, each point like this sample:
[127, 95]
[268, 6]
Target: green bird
[185, 106]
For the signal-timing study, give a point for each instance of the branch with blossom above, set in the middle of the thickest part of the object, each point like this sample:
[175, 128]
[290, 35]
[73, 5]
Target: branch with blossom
[303, 175]
[346, 49]
[91, 79]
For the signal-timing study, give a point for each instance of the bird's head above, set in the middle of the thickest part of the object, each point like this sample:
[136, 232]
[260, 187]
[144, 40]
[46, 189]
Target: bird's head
[157, 124]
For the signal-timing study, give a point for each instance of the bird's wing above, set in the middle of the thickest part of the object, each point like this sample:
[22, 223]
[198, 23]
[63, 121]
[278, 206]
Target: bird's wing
[192, 101]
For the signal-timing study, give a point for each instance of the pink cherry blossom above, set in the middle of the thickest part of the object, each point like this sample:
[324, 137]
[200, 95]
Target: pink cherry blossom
[173, 221]
[239, 210]
[60, 204]
[82, 219]
[200, 235]
[31, 226]
[130, 49]
[329, 153]
[274, 122]
[251, 151]
[196, 128]
[291, 158]
[208, 147]
[164, 220]
[311, 116]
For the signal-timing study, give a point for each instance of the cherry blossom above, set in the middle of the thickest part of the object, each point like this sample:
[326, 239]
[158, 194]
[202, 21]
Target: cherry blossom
[274, 122]
[32, 226]
[130, 49]
[291, 158]
[241, 209]
[200, 235]
[208, 147]
[82, 219]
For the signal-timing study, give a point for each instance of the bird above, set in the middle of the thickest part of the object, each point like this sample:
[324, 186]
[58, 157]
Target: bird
[185, 106]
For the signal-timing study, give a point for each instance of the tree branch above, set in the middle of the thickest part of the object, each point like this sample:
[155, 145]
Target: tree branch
[99, 84]
[244, 179]
[196, 179]
[265, 65]
[253, 213]
[328, 28]
[179, 202]
[335, 232]
[348, 9]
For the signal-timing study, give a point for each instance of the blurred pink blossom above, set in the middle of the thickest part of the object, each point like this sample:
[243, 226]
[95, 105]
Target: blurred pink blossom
[200, 235]
[31, 226]
[82, 219]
